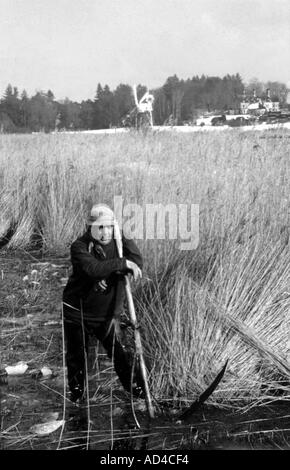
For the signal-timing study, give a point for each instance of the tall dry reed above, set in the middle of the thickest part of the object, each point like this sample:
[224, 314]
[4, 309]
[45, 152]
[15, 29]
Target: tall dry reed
[229, 298]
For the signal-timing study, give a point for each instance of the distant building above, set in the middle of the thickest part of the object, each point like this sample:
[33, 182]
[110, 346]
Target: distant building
[270, 104]
[258, 106]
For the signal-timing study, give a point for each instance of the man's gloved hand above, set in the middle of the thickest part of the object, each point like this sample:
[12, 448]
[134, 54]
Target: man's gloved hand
[137, 273]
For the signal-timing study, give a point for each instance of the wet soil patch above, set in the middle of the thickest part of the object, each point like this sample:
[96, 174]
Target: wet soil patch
[108, 423]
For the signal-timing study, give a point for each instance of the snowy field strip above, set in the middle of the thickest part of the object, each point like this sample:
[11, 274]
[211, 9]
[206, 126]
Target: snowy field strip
[186, 129]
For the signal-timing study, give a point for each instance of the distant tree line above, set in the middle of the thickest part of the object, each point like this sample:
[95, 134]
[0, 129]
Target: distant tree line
[177, 101]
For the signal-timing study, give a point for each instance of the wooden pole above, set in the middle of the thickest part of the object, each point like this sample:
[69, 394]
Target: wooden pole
[138, 345]
[133, 318]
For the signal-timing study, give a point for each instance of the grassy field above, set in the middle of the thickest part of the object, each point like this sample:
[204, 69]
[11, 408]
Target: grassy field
[227, 299]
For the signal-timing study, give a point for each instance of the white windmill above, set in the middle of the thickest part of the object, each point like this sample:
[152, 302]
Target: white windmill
[144, 107]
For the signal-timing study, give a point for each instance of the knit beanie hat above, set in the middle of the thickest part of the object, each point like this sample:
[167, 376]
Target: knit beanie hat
[101, 215]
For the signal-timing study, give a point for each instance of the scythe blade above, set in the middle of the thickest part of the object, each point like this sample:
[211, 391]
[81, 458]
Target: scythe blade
[204, 396]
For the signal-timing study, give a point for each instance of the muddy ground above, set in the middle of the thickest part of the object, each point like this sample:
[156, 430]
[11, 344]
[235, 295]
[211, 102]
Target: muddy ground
[31, 331]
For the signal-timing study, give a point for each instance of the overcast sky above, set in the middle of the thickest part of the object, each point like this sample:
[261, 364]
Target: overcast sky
[69, 46]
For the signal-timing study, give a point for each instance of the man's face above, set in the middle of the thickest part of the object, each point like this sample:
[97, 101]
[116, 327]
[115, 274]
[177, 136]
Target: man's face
[103, 234]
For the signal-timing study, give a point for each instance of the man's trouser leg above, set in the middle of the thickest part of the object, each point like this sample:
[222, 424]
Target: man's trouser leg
[123, 361]
[75, 356]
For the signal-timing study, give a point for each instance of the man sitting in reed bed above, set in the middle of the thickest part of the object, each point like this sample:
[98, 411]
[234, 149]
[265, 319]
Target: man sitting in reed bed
[94, 297]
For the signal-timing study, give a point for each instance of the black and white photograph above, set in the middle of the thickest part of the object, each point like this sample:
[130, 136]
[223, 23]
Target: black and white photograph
[144, 228]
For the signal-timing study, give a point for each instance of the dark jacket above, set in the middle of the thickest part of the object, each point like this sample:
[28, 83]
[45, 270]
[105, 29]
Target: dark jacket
[92, 263]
